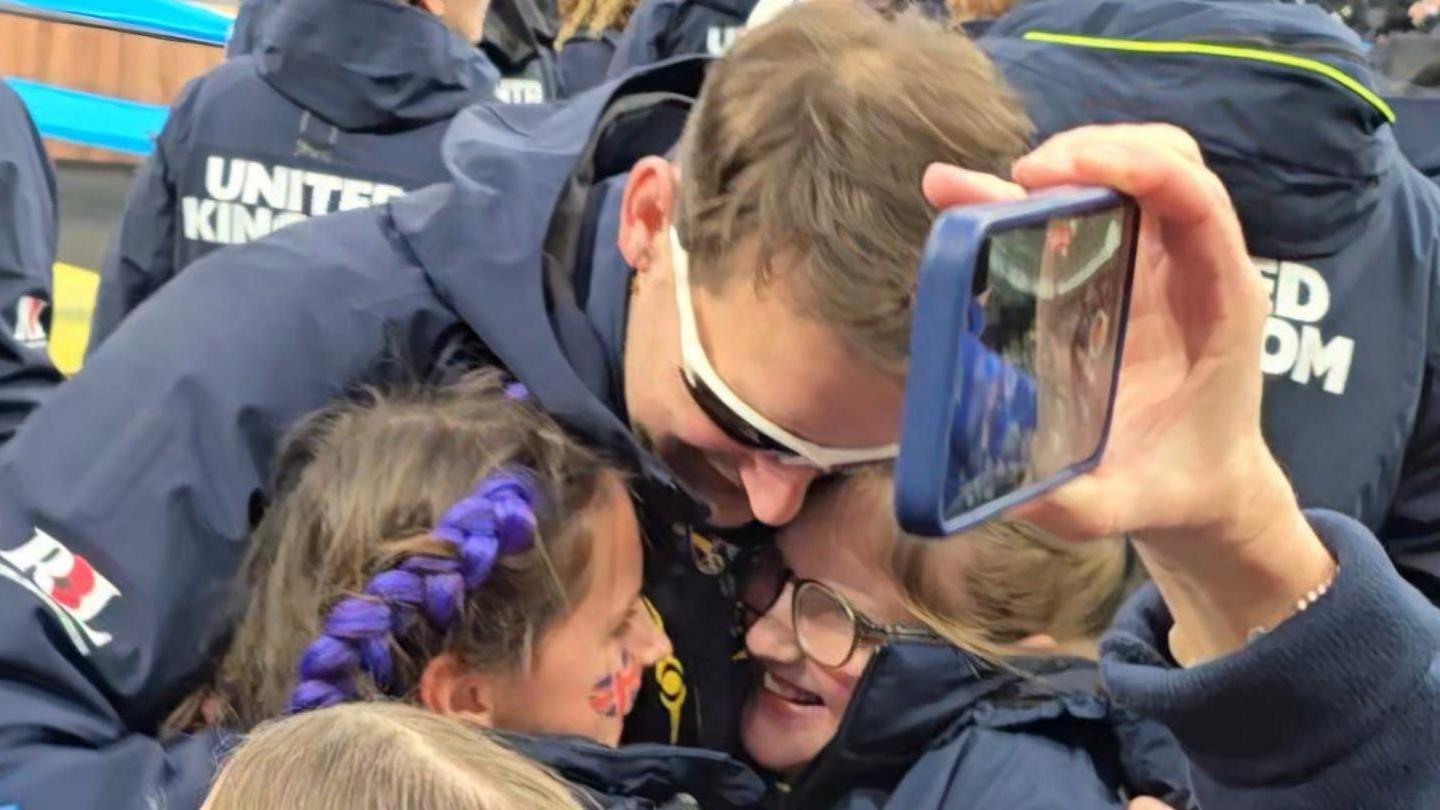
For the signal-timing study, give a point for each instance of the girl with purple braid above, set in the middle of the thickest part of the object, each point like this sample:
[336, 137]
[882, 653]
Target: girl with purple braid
[452, 548]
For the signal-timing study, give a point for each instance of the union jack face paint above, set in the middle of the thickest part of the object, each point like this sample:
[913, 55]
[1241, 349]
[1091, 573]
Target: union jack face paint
[614, 694]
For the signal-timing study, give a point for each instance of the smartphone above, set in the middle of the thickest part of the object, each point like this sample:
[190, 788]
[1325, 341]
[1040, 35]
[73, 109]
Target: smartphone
[1015, 352]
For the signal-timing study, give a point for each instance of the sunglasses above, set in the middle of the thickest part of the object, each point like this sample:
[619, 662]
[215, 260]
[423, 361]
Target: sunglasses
[742, 423]
[828, 627]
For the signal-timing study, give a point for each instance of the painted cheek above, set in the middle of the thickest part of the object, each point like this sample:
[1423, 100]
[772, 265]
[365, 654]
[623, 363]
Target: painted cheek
[614, 694]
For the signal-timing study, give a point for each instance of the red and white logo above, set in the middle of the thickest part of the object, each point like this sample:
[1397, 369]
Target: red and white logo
[66, 582]
[29, 329]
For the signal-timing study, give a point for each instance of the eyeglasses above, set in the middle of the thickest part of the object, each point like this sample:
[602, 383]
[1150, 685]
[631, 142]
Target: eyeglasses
[828, 628]
[742, 423]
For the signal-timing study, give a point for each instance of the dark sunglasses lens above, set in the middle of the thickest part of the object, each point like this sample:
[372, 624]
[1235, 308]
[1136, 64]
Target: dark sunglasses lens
[729, 422]
[823, 626]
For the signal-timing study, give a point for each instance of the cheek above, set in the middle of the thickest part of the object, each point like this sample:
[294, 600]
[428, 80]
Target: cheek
[838, 685]
[613, 695]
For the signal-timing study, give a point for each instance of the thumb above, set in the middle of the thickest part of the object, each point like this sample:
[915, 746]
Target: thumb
[1147, 803]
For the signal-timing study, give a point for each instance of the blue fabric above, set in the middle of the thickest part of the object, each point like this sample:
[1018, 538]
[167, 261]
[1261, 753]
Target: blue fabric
[585, 59]
[1336, 708]
[1347, 231]
[929, 728]
[342, 104]
[1417, 130]
[165, 17]
[149, 463]
[92, 120]
[662, 29]
[29, 228]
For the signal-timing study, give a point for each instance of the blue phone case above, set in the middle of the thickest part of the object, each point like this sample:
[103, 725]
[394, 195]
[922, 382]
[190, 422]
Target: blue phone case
[941, 326]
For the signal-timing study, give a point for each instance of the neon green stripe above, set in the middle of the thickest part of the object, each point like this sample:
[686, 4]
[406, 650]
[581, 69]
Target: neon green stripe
[1227, 51]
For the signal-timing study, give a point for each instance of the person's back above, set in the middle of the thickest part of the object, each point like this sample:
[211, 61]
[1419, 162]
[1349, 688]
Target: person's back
[342, 104]
[1346, 233]
[28, 232]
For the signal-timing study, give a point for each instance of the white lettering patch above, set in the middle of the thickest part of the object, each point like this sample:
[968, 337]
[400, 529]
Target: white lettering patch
[520, 91]
[246, 199]
[720, 38]
[1294, 345]
[66, 583]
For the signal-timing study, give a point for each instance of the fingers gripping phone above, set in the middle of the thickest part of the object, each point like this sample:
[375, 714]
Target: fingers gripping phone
[1015, 351]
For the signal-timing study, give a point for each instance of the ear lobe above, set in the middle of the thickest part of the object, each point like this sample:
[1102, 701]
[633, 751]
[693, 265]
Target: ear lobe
[647, 211]
[449, 688]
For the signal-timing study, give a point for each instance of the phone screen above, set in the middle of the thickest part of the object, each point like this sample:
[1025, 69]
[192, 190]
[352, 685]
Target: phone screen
[1037, 370]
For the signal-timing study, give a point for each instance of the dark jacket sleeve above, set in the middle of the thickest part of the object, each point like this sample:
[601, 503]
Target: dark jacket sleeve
[141, 256]
[28, 233]
[126, 501]
[1337, 708]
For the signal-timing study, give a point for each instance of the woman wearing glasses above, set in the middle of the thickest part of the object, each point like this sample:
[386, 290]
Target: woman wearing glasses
[930, 673]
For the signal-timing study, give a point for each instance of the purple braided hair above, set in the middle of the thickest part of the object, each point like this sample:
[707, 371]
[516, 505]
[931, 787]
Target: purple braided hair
[497, 519]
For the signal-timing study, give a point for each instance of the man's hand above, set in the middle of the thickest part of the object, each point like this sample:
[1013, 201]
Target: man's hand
[1186, 469]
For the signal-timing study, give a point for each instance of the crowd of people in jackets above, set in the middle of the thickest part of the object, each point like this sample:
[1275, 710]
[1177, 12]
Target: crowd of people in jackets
[491, 405]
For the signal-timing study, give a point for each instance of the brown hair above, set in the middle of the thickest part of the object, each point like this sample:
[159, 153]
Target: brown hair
[996, 585]
[593, 17]
[361, 486]
[967, 10]
[381, 756]
[812, 135]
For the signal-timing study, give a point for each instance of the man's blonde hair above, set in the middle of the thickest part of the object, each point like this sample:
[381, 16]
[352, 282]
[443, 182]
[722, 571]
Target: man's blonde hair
[380, 756]
[812, 136]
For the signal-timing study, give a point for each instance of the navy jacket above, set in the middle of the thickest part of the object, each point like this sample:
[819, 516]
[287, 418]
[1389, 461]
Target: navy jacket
[518, 40]
[662, 29]
[342, 104]
[929, 728]
[1337, 708]
[1347, 232]
[584, 60]
[126, 502]
[28, 222]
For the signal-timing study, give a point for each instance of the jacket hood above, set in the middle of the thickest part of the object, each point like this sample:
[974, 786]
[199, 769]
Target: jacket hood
[370, 65]
[1279, 97]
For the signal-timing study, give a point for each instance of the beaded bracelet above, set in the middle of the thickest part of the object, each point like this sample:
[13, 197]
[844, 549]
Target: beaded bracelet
[1301, 605]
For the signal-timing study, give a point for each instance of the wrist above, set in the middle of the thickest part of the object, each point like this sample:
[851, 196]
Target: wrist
[1249, 569]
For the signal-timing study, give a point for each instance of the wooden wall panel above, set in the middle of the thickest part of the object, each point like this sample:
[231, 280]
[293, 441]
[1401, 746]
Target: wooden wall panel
[110, 63]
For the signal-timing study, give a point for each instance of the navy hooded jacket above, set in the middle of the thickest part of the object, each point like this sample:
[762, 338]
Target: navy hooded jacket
[126, 502]
[517, 40]
[1336, 708]
[342, 105]
[28, 223]
[928, 728]
[1346, 231]
[662, 29]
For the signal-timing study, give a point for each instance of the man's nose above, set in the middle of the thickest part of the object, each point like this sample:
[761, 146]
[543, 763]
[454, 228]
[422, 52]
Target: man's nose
[776, 491]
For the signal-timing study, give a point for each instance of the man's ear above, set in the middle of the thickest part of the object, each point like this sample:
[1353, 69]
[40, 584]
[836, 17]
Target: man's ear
[449, 688]
[647, 211]
[436, 7]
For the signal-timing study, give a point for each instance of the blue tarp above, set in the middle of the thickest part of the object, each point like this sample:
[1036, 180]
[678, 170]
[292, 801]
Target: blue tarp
[167, 18]
[91, 120]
